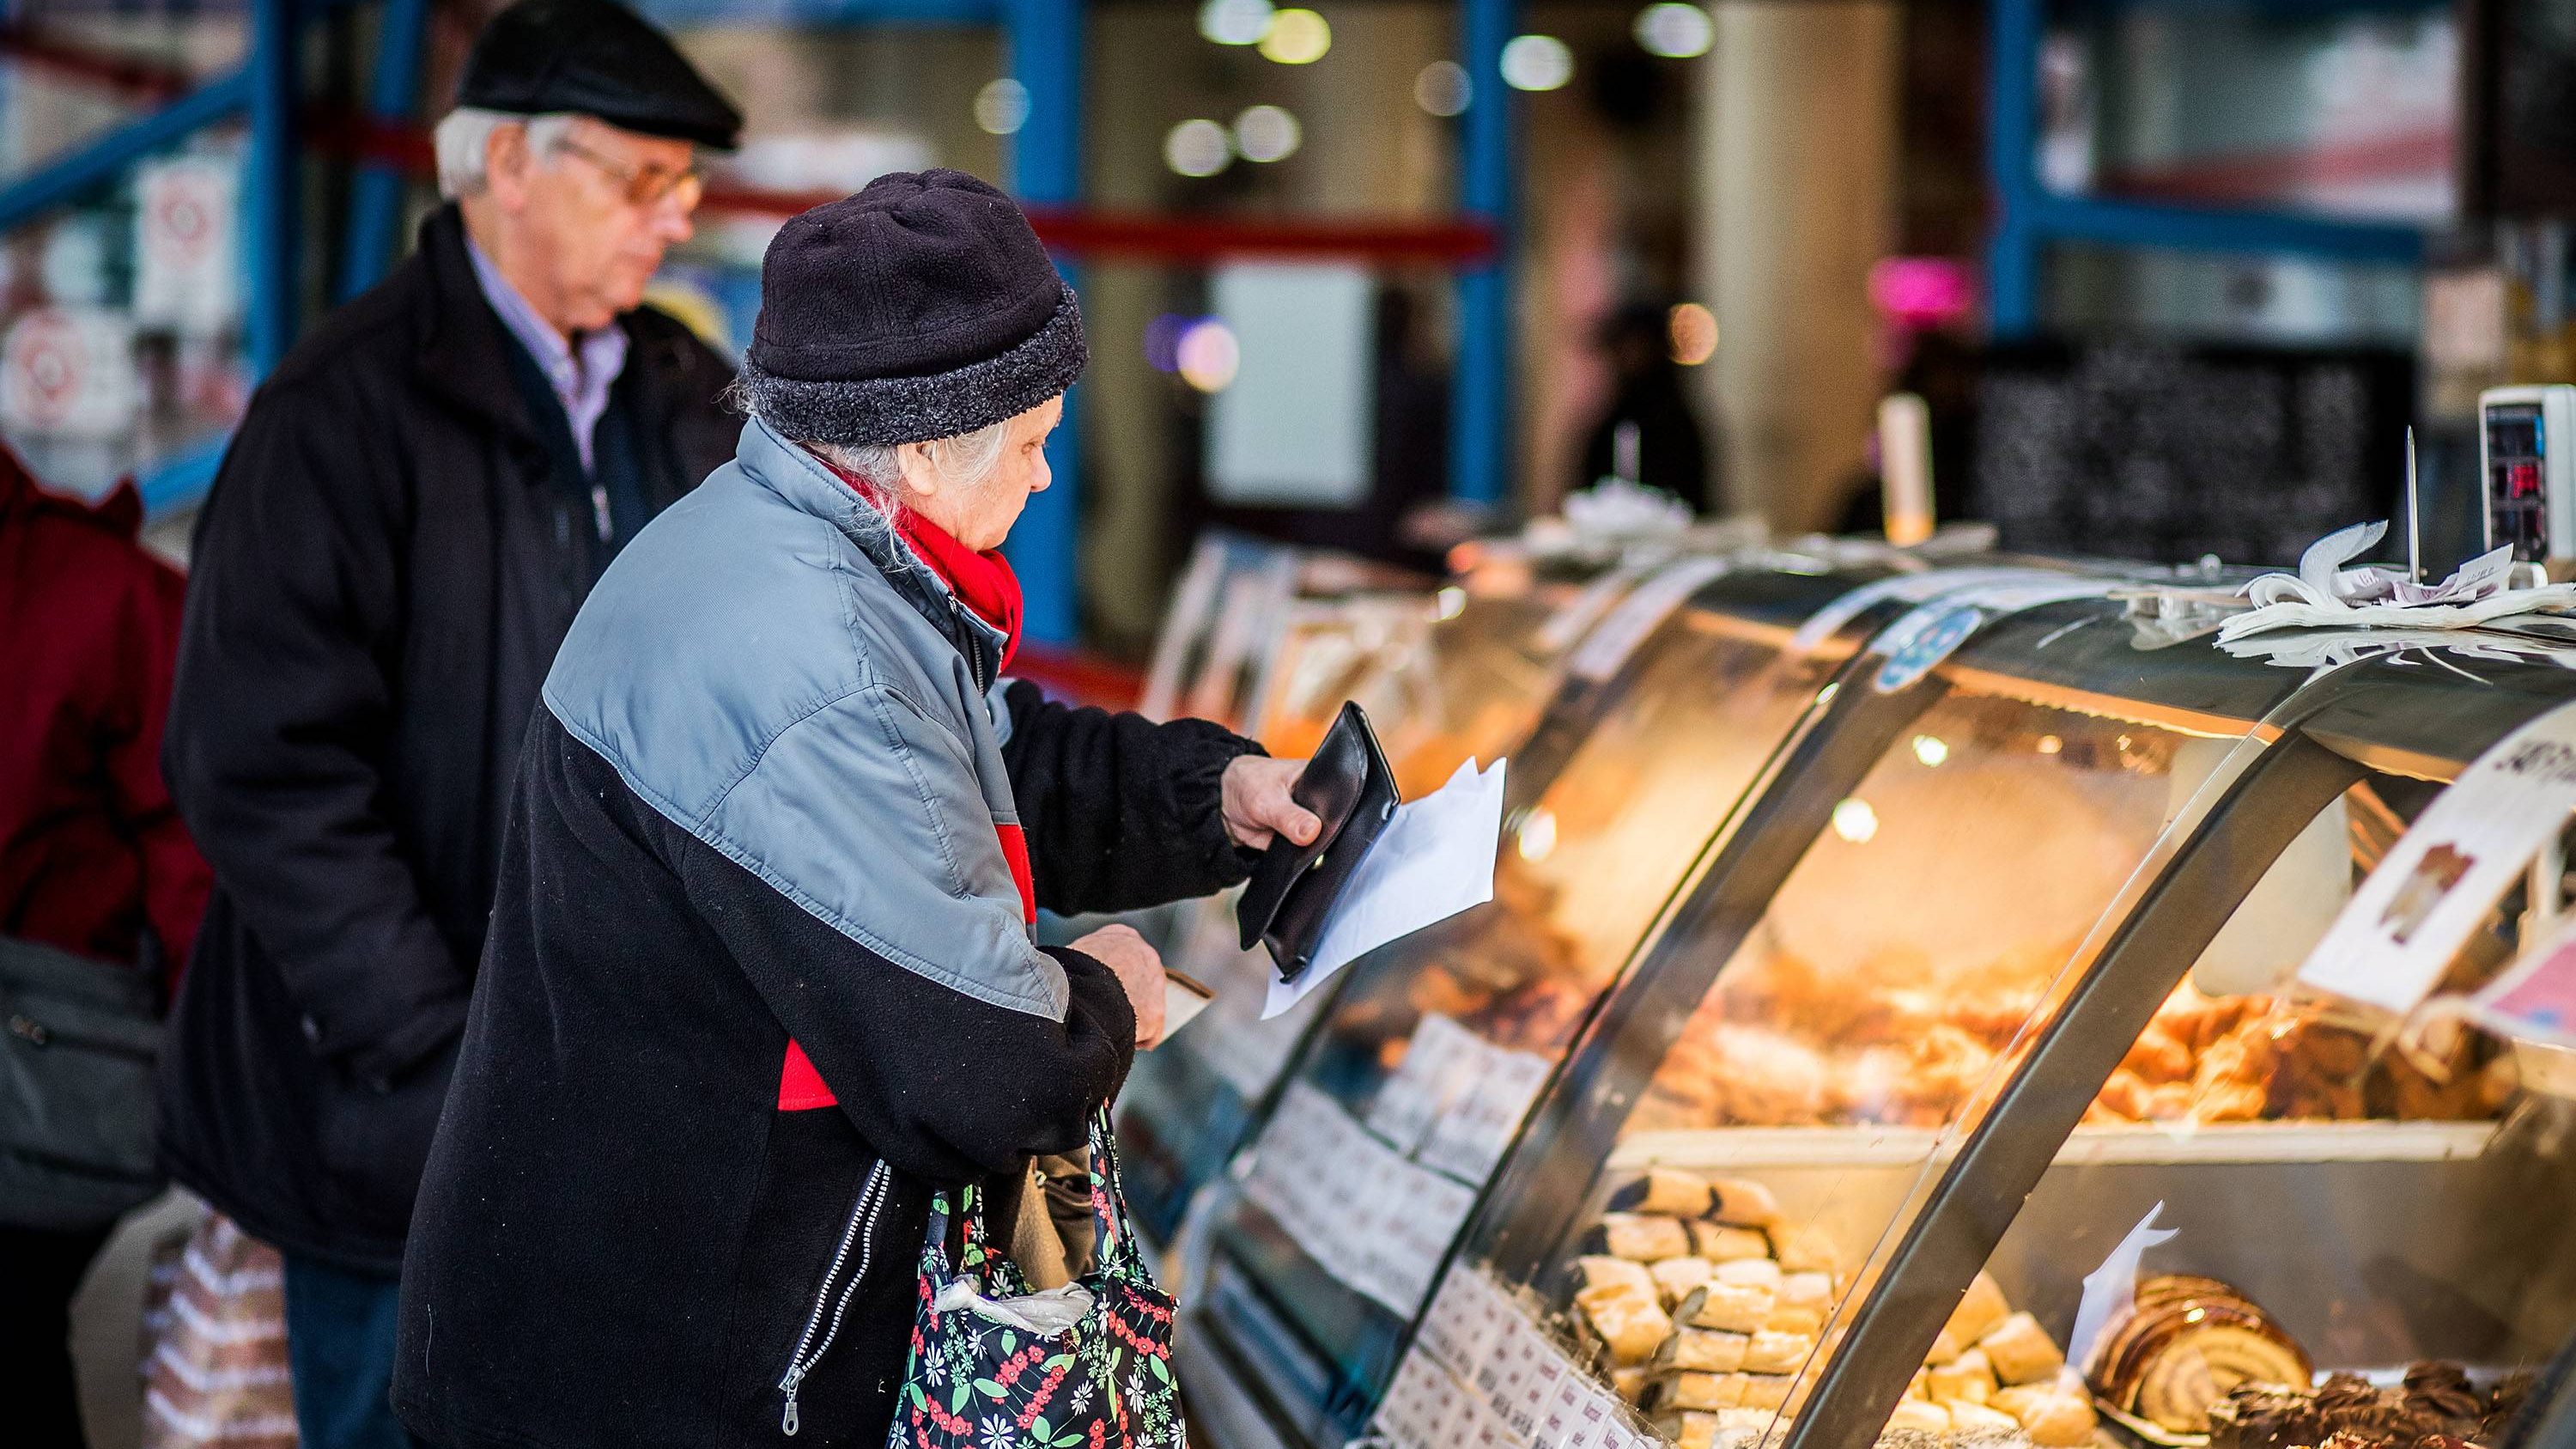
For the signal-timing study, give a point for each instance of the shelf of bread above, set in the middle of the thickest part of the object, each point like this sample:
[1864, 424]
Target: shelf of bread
[1758, 1148]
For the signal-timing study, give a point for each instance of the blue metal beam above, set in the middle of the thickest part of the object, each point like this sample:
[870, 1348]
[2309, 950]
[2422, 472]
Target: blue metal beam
[1043, 39]
[181, 481]
[803, 13]
[376, 203]
[109, 156]
[2183, 228]
[273, 193]
[2013, 30]
[1480, 412]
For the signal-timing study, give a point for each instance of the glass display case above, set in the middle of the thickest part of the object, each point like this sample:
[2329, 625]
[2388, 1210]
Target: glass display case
[1967, 1097]
[1408, 1094]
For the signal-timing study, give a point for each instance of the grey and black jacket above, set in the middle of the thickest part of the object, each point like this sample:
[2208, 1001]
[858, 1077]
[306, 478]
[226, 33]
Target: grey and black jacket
[758, 932]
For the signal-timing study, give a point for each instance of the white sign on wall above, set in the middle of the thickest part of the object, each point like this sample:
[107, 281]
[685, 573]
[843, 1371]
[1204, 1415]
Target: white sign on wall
[187, 261]
[1297, 425]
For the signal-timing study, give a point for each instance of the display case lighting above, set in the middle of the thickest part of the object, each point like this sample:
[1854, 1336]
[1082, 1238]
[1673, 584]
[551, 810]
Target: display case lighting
[1536, 63]
[1675, 31]
[1296, 37]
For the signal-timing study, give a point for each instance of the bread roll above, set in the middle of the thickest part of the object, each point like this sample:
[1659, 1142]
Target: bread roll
[1743, 1204]
[1794, 1318]
[1664, 1190]
[1805, 1250]
[1704, 1392]
[2056, 1420]
[1969, 1378]
[1598, 1271]
[1919, 1386]
[1759, 1273]
[1676, 1277]
[1777, 1353]
[1631, 1325]
[1919, 1416]
[1688, 1430]
[1808, 1290]
[1767, 1391]
[1980, 1309]
[2021, 1350]
[1703, 1350]
[1722, 1244]
[1968, 1418]
[1732, 1307]
[1945, 1347]
[1630, 1383]
[1644, 1237]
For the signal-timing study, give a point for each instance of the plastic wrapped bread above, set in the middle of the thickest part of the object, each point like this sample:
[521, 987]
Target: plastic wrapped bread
[1644, 1237]
[1663, 1190]
[1735, 1308]
[1743, 1204]
[1676, 1278]
[1631, 1325]
[1703, 1350]
[1720, 1243]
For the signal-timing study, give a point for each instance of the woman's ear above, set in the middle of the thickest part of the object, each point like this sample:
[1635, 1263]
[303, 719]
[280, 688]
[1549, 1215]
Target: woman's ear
[920, 475]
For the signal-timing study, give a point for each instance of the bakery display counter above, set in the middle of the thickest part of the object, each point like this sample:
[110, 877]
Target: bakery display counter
[1414, 1086]
[2012, 1127]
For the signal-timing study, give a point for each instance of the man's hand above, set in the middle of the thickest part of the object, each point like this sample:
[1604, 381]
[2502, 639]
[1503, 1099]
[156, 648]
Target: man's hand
[1139, 969]
[1255, 790]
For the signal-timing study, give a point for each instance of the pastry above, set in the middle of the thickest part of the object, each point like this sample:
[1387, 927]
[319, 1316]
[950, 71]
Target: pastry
[1631, 1325]
[1807, 1290]
[1688, 1430]
[1742, 1204]
[1919, 1386]
[1966, 1418]
[2021, 1350]
[1720, 1243]
[1920, 1417]
[1696, 1391]
[1759, 1273]
[2183, 1344]
[1969, 1378]
[1630, 1383]
[1728, 1306]
[1597, 1271]
[1663, 1190]
[1703, 1350]
[1777, 1353]
[1676, 1277]
[1980, 1309]
[1805, 1250]
[1644, 1238]
[1794, 1318]
[1766, 1391]
[1945, 1347]
[2056, 1419]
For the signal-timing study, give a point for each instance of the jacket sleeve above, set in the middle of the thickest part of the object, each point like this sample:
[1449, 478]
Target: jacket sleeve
[279, 727]
[1120, 812]
[175, 877]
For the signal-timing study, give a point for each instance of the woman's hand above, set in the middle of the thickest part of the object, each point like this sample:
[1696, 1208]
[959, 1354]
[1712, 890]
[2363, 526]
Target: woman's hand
[1255, 792]
[1139, 969]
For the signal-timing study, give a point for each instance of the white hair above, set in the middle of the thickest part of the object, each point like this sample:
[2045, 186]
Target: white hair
[464, 139]
[965, 462]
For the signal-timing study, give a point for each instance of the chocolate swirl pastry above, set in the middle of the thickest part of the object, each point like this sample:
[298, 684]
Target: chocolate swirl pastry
[2437, 1407]
[2184, 1345]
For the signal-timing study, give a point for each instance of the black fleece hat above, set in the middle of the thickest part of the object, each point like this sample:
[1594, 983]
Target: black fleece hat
[596, 58]
[921, 308]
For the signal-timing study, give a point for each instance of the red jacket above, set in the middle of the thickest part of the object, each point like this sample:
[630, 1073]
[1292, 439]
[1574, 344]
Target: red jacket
[91, 850]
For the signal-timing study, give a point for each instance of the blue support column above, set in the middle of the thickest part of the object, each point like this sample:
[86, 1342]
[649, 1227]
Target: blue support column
[376, 205]
[1044, 41]
[2013, 29]
[111, 155]
[1480, 412]
[272, 197]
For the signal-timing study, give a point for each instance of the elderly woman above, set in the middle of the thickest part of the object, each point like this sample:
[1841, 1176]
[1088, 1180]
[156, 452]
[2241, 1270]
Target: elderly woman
[760, 973]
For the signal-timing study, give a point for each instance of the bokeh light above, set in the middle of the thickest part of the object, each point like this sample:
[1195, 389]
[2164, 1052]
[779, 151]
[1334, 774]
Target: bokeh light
[1855, 821]
[1536, 63]
[1693, 329]
[1163, 341]
[1235, 22]
[1442, 88]
[1002, 107]
[1198, 147]
[1266, 133]
[1674, 30]
[1297, 37]
[1208, 355]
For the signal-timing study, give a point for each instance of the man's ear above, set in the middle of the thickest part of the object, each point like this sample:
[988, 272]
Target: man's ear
[506, 164]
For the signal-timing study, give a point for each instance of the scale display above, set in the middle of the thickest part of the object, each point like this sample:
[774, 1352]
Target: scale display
[2517, 441]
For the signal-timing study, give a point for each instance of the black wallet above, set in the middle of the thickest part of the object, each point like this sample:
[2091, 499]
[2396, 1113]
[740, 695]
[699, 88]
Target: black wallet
[1291, 894]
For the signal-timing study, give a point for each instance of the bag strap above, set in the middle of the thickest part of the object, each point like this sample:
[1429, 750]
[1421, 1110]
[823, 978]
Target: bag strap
[979, 1246]
[1119, 1255]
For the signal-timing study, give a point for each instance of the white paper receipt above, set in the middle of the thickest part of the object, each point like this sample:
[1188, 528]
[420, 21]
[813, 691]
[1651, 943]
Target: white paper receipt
[1435, 859]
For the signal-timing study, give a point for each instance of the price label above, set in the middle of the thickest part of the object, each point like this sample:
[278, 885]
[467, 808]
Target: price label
[2392, 942]
[1647, 606]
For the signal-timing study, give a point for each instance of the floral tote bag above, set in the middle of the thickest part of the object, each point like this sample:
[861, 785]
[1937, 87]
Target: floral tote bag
[1085, 1366]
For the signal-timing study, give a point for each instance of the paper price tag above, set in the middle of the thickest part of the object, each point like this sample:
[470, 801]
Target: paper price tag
[2536, 1000]
[2399, 932]
[1900, 588]
[1916, 644]
[1586, 608]
[1470, 1138]
[1636, 616]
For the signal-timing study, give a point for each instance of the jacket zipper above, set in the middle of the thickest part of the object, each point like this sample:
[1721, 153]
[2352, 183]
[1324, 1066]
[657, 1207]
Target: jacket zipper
[35, 1033]
[862, 1227]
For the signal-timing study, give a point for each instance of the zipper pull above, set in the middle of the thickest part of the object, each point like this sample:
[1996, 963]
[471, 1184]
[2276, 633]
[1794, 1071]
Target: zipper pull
[787, 1421]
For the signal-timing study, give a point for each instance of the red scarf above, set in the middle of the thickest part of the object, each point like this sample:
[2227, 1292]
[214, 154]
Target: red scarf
[983, 582]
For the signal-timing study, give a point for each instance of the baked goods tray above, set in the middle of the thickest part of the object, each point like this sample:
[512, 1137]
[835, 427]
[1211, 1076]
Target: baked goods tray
[2247, 1142]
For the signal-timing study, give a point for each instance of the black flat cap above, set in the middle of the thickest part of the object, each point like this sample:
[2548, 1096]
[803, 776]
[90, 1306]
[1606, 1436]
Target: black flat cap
[595, 58]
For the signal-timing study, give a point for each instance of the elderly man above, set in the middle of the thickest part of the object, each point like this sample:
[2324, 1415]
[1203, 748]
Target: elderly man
[415, 506]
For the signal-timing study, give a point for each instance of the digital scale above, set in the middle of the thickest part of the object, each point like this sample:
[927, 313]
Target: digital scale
[2530, 485]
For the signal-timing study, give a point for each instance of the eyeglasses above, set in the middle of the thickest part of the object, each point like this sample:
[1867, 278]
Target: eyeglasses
[645, 185]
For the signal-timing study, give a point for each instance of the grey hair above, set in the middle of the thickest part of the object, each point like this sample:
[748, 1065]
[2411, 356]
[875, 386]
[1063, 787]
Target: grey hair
[464, 138]
[965, 462]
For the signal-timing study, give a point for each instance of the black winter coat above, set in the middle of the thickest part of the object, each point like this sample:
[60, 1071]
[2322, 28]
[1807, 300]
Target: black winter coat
[380, 579]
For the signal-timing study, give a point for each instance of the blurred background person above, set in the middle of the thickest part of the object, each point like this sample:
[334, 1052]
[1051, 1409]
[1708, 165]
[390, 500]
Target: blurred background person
[93, 858]
[417, 502]
[1649, 405]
